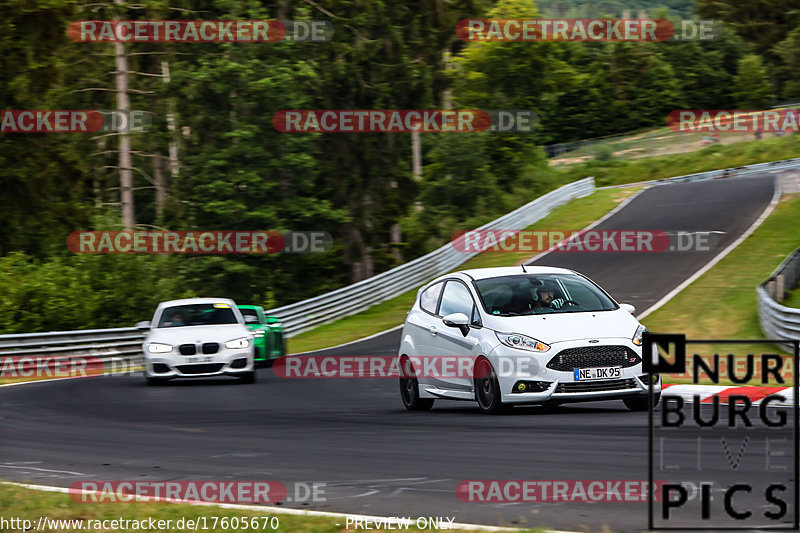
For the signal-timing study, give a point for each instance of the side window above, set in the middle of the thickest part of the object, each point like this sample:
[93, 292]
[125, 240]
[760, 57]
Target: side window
[456, 299]
[430, 297]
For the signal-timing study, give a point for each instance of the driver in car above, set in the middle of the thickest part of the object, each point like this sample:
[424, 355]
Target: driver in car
[175, 320]
[547, 293]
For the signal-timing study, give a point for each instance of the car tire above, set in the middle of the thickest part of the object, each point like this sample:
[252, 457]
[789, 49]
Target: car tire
[640, 403]
[248, 378]
[487, 389]
[409, 393]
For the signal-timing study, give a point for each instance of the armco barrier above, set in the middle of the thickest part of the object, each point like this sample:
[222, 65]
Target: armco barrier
[778, 321]
[111, 348]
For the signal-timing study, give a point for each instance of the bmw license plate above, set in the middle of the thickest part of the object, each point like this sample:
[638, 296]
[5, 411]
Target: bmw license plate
[199, 359]
[604, 372]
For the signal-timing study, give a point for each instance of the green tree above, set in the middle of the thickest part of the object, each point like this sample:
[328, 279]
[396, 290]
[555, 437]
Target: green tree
[752, 89]
[789, 69]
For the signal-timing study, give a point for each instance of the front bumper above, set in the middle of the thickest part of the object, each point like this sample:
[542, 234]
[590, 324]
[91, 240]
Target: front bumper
[545, 385]
[175, 365]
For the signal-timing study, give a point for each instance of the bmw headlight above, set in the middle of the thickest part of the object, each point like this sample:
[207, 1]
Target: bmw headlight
[238, 344]
[637, 337]
[522, 342]
[157, 347]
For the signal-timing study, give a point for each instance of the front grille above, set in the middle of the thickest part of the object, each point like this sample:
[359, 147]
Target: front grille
[188, 349]
[595, 386]
[210, 347]
[205, 368]
[593, 356]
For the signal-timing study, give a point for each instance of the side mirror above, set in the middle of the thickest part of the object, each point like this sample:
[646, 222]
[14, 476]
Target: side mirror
[457, 320]
[629, 308]
[143, 326]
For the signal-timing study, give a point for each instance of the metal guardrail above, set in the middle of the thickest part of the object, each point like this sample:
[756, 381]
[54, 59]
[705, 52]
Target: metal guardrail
[778, 321]
[349, 300]
[44, 353]
[758, 168]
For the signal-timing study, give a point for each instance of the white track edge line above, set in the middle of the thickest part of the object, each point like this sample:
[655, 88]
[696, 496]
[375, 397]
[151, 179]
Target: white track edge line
[600, 220]
[776, 196]
[351, 342]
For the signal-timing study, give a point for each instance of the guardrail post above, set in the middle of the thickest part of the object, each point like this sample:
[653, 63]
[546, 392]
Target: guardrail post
[779, 288]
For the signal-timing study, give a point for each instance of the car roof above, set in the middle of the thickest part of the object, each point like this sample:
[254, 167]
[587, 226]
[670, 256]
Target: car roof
[483, 273]
[248, 306]
[189, 301]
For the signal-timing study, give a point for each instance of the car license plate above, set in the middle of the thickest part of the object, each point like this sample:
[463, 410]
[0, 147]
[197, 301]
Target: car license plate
[199, 359]
[604, 372]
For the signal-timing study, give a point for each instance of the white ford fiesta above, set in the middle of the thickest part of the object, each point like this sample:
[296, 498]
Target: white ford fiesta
[521, 335]
[197, 337]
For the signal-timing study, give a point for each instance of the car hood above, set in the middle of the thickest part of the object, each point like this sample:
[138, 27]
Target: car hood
[198, 334]
[560, 327]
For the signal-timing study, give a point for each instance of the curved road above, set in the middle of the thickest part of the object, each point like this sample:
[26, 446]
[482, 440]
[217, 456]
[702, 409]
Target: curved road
[354, 435]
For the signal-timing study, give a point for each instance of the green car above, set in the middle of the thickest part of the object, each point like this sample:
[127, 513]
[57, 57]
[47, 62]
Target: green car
[268, 332]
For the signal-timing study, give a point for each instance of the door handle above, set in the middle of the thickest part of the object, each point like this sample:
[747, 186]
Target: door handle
[433, 330]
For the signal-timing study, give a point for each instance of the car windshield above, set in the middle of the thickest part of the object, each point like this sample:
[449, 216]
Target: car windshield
[250, 315]
[197, 315]
[529, 294]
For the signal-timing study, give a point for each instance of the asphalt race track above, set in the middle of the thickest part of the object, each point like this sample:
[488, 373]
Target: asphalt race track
[355, 436]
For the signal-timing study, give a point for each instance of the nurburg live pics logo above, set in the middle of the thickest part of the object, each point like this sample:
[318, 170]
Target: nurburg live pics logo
[727, 461]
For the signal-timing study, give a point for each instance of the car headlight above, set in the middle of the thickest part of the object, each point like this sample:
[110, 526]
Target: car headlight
[157, 347]
[238, 344]
[522, 342]
[637, 337]
[259, 334]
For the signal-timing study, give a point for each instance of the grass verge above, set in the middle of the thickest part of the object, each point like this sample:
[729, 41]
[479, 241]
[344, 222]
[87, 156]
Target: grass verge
[28, 504]
[722, 304]
[573, 216]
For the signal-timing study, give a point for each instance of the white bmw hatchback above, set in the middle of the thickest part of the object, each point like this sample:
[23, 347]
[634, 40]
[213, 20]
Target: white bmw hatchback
[514, 335]
[197, 337]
